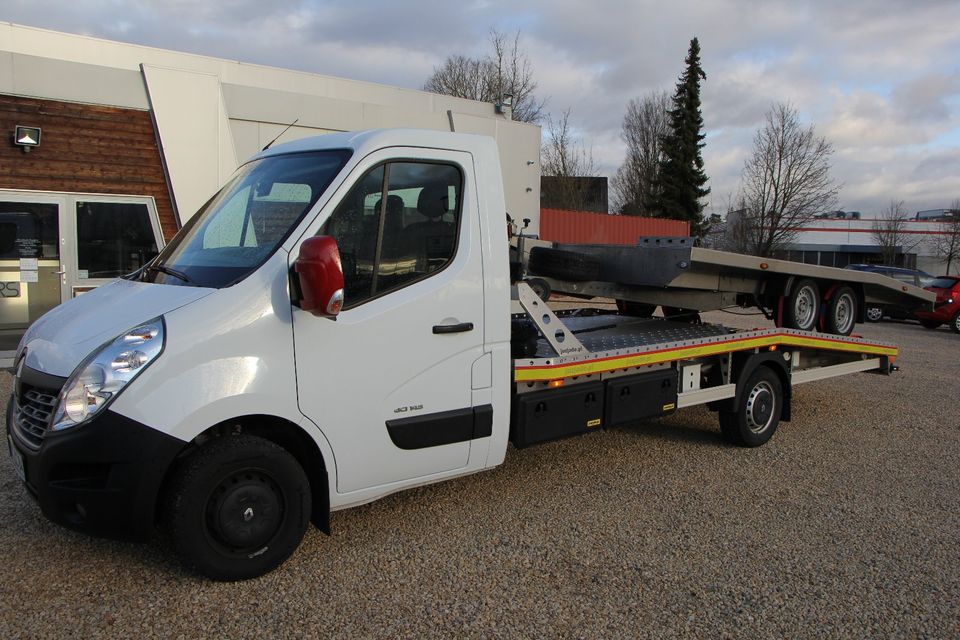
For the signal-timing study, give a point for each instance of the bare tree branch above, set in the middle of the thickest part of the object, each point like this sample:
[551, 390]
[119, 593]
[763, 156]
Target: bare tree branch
[644, 126]
[947, 244]
[564, 158]
[506, 69]
[786, 181]
[890, 232]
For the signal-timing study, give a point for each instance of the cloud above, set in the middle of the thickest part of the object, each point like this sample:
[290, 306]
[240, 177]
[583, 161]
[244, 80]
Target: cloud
[879, 78]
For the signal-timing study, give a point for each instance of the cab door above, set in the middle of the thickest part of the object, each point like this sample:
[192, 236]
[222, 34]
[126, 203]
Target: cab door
[389, 381]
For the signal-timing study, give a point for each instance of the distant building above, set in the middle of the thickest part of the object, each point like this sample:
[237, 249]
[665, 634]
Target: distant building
[836, 242]
[936, 214]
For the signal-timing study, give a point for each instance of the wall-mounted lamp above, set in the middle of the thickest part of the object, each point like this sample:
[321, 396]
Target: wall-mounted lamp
[26, 137]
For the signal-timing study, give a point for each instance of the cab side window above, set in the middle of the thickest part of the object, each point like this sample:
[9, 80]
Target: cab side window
[398, 225]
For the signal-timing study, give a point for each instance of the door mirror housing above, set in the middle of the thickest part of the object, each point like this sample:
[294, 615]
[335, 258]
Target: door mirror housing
[321, 276]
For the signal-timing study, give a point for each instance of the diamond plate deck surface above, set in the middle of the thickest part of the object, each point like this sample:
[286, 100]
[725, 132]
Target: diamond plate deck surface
[609, 333]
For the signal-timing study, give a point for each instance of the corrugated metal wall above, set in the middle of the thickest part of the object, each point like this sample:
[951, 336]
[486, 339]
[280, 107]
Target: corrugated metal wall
[579, 227]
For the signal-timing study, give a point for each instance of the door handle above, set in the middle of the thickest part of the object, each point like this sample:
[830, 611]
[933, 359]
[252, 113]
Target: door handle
[59, 273]
[453, 328]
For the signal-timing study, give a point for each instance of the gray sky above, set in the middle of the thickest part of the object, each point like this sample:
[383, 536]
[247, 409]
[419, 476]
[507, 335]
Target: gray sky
[880, 79]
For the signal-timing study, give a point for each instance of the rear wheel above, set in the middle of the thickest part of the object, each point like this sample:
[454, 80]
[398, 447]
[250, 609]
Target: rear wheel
[237, 507]
[955, 323]
[874, 313]
[842, 311]
[927, 323]
[757, 414]
[803, 306]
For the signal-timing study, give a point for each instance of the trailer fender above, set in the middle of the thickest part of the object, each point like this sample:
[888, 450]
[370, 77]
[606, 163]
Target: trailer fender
[744, 364]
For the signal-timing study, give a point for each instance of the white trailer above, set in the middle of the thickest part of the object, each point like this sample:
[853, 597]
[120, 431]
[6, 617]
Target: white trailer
[335, 326]
[685, 279]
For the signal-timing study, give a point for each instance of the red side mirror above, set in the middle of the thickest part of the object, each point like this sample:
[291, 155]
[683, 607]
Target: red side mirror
[321, 276]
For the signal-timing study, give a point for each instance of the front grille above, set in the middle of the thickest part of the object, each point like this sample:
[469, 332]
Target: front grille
[33, 414]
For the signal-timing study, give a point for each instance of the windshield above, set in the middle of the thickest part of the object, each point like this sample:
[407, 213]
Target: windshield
[245, 222]
[942, 283]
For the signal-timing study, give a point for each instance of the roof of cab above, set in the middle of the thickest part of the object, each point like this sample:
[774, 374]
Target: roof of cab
[363, 142]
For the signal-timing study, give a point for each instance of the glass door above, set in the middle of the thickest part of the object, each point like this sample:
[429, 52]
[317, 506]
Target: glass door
[31, 265]
[113, 236]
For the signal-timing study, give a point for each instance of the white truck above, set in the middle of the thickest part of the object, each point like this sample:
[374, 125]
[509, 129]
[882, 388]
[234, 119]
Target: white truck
[334, 326]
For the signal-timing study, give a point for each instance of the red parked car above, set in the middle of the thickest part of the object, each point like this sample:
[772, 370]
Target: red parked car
[946, 310]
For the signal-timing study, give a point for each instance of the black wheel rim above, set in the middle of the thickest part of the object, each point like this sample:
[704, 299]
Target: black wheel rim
[245, 511]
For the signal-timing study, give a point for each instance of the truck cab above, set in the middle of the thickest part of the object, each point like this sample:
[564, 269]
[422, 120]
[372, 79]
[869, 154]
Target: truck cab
[123, 395]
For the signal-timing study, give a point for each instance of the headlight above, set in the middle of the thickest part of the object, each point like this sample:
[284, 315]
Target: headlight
[102, 376]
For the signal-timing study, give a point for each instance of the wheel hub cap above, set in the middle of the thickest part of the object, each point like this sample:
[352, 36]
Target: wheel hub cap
[760, 407]
[804, 308]
[245, 511]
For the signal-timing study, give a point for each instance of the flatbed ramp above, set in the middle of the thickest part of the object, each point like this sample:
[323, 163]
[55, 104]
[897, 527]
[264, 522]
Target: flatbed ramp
[632, 343]
[591, 369]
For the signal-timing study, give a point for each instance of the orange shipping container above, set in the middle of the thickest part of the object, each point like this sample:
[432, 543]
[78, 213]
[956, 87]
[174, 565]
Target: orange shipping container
[581, 227]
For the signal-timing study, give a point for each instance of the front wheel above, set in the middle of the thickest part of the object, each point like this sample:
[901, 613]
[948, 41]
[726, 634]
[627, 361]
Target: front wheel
[237, 507]
[955, 323]
[874, 313]
[757, 413]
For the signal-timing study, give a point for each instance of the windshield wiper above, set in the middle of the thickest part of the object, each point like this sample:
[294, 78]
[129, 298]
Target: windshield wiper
[170, 272]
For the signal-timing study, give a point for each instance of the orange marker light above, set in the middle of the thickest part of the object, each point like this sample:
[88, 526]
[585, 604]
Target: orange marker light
[553, 384]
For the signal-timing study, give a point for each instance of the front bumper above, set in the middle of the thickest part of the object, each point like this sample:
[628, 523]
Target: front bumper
[102, 478]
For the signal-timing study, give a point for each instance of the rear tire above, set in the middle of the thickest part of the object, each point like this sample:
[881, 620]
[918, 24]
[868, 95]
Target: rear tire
[237, 507]
[757, 414]
[955, 323]
[563, 265]
[802, 308]
[842, 311]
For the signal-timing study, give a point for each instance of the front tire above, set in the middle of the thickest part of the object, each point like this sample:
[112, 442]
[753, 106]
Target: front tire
[874, 313]
[755, 418]
[237, 507]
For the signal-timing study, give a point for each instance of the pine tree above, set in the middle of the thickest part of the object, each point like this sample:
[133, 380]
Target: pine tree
[682, 178]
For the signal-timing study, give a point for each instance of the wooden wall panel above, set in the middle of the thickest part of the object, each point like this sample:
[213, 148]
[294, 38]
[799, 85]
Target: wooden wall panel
[84, 148]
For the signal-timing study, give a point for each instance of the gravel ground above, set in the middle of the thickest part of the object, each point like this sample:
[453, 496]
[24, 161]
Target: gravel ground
[844, 525]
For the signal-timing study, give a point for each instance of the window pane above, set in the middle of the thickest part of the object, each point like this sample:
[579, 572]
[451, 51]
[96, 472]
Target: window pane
[355, 225]
[29, 230]
[421, 224]
[113, 238]
[244, 223]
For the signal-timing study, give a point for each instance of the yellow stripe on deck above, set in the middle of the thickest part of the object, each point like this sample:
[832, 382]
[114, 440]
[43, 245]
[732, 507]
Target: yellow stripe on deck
[538, 373]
